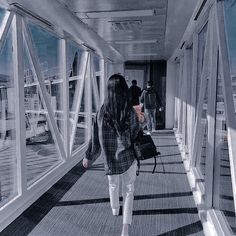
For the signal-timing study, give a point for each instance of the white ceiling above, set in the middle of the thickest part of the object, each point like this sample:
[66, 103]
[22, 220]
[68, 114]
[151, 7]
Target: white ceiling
[166, 27]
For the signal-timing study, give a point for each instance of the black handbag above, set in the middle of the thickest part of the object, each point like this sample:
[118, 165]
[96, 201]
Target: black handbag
[145, 149]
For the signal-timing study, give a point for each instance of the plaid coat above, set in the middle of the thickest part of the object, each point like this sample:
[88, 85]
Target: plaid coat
[117, 150]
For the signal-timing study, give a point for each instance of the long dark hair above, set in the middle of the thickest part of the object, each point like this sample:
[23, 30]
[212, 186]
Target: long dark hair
[117, 103]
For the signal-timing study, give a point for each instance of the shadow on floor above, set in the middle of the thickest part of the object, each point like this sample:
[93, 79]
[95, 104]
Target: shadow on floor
[27, 221]
[185, 230]
[136, 198]
[168, 211]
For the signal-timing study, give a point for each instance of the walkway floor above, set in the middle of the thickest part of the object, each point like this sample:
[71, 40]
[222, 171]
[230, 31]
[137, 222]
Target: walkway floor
[79, 205]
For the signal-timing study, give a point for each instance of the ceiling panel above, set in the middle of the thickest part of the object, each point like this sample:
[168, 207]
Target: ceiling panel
[109, 5]
[166, 26]
[151, 28]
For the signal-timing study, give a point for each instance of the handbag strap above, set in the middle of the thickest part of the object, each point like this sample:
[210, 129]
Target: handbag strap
[137, 172]
[155, 164]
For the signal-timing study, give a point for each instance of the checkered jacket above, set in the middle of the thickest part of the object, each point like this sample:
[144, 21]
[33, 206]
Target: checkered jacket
[117, 150]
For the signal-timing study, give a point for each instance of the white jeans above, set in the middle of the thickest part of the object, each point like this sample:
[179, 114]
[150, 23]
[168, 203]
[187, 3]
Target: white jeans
[128, 179]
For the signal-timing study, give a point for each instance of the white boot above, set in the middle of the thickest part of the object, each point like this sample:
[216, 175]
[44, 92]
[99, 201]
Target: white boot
[125, 230]
[115, 212]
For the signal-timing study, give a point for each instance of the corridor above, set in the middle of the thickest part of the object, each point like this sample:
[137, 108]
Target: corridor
[78, 203]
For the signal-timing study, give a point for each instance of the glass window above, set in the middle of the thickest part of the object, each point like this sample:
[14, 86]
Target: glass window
[230, 19]
[200, 61]
[201, 159]
[41, 152]
[47, 49]
[74, 59]
[96, 83]
[223, 193]
[180, 108]
[188, 131]
[2, 15]
[8, 159]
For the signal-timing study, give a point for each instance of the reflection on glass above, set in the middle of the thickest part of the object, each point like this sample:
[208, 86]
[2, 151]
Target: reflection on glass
[96, 62]
[2, 15]
[188, 133]
[96, 83]
[230, 19]
[200, 61]
[74, 58]
[81, 126]
[41, 151]
[47, 49]
[223, 194]
[7, 124]
[201, 162]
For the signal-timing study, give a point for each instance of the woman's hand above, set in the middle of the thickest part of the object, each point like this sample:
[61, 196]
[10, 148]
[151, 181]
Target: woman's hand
[85, 162]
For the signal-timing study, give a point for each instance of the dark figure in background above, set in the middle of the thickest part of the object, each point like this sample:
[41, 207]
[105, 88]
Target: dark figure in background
[134, 92]
[150, 101]
[74, 71]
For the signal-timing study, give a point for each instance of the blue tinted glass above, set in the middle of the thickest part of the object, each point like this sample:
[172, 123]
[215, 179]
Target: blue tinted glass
[230, 19]
[96, 62]
[46, 45]
[2, 14]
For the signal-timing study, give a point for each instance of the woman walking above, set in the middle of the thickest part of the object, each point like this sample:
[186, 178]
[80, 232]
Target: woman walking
[114, 130]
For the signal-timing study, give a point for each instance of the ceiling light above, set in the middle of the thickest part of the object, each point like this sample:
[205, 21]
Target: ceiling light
[111, 14]
[135, 41]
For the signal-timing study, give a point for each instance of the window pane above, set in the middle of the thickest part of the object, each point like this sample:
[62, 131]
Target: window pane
[230, 19]
[2, 15]
[223, 193]
[96, 83]
[74, 59]
[201, 51]
[41, 151]
[81, 126]
[201, 160]
[8, 159]
[47, 50]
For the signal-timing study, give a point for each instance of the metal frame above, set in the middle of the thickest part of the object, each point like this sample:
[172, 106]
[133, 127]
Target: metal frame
[216, 58]
[179, 101]
[88, 98]
[193, 92]
[189, 101]
[25, 196]
[184, 96]
[103, 67]
[203, 81]
[95, 86]
[65, 95]
[19, 103]
[44, 93]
